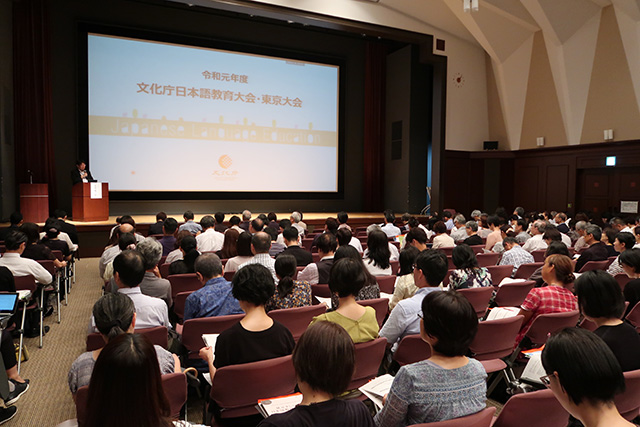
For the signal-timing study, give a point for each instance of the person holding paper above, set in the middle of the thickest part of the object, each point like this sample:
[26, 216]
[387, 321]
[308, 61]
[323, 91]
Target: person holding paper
[324, 361]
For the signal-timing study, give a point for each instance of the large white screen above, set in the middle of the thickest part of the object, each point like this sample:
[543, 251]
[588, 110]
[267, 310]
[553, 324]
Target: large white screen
[167, 117]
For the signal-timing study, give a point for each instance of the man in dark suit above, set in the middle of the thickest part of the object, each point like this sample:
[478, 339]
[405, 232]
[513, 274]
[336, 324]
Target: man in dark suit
[302, 256]
[81, 173]
[70, 229]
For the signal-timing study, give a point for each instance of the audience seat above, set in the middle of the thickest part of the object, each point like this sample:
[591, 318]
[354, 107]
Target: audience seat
[539, 409]
[184, 283]
[321, 290]
[622, 280]
[486, 260]
[447, 278]
[594, 265]
[513, 294]
[194, 328]
[157, 336]
[50, 266]
[539, 255]
[178, 304]
[368, 358]
[316, 257]
[526, 270]
[447, 251]
[307, 242]
[477, 249]
[546, 324]
[228, 275]
[587, 324]
[386, 283]
[297, 319]
[479, 419]
[634, 316]
[411, 349]
[499, 272]
[164, 270]
[395, 267]
[628, 403]
[479, 298]
[26, 283]
[450, 264]
[163, 258]
[380, 305]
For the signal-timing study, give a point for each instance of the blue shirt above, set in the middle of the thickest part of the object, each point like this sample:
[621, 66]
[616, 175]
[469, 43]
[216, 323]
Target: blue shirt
[214, 299]
[191, 226]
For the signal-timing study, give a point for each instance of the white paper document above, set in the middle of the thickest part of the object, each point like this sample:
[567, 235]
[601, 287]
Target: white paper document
[96, 190]
[210, 341]
[278, 405]
[325, 301]
[510, 280]
[534, 369]
[377, 388]
[503, 312]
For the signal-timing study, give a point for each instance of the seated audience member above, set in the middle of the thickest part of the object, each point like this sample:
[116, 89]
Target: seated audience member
[553, 298]
[52, 241]
[514, 255]
[36, 250]
[234, 223]
[188, 247]
[125, 241]
[630, 262]
[323, 348]
[347, 279]
[244, 252]
[442, 239]
[189, 224]
[296, 220]
[621, 225]
[536, 242]
[284, 224]
[114, 315]
[256, 226]
[156, 228]
[428, 273]
[113, 249]
[152, 284]
[290, 292]
[318, 272]
[584, 375]
[176, 253]
[484, 230]
[608, 238]
[168, 241]
[505, 231]
[246, 220]
[560, 219]
[377, 257]
[636, 231]
[495, 235]
[229, 245]
[330, 226]
[597, 251]
[389, 227]
[405, 222]
[447, 218]
[15, 221]
[16, 243]
[554, 248]
[621, 242]
[467, 273]
[128, 362]
[414, 223]
[601, 301]
[276, 248]
[302, 256]
[127, 219]
[215, 297]
[220, 227]
[417, 238]
[448, 384]
[459, 231]
[520, 228]
[552, 234]
[471, 228]
[405, 287]
[519, 211]
[343, 217]
[272, 222]
[581, 229]
[260, 244]
[395, 253]
[370, 290]
[209, 240]
[344, 236]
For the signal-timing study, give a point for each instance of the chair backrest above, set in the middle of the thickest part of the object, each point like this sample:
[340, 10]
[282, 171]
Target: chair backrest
[594, 265]
[628, 403]
[307, 242]
[184, 283]
[49, 266]
[174, 386]
[25, 283]
[546, 324]
[499, 272]
[447, 278]
[194, 328]
[368, 358]
[228, 275]
[164, 270]
[588, 325]
[321, 290]
[634, 316]
[622, 280]
[526, 270]
[380, 305]
[179, 302]
[237, 388]
[447, 251]
[315, 256]
[395, 267]
[539, 409]
[479, 419]
[386, 283]
[450, 264]
[58, 254]
[411, 349]
[495, 338]
[477, 249]
[513, 294]
[157, 336]
[479, 298]
[297, 319]
[485, 260]
[538, 256]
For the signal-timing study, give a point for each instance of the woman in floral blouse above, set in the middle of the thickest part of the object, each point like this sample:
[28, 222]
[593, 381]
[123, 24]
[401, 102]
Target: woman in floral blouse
[289, 293]
[467, 273]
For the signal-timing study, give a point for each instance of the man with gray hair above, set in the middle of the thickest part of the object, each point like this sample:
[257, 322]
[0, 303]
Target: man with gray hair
[295, 222]
[597, 250]
[581, 228]
[519, 212]
[536, 243]
[471, 228]
[152, 283]
[475, 215]
[246, 220]
[215, 297]
[459, 231]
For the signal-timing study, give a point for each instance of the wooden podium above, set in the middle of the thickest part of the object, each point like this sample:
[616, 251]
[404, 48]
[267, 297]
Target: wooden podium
[89, 207]
[34, 202]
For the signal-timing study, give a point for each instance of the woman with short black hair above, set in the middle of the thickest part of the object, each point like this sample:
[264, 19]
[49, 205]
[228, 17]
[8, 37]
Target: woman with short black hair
[584, 375]
[630, 263]
[405, 286]
[467, 273]
[370, 290]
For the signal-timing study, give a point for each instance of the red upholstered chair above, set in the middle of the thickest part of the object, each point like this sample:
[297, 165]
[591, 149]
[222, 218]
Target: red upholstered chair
[162, 260]
[368, 358]
[174, 386]
[526, 270]
[411, 349]
[450, 264]
[386, 283]
[380, 305]
[539, 409]
[157, 336]
[499, 272]
[307, 242]
[321, 290]
[50, 266]
[628, 403]
[594, 265]
[178, 304]
[622, 280]
[316, 257]
[513, 294]
[447, 278]
[477, 249]
[395, 267]
[194, 328]
[297, 319]
[588, 325]
[479, 419]
[164, 270]
[237, 388]
[298, 270]
[634, 316]
[546, 324]
[447, 251]
[228, 275]
[538, 256]
[184, 283]
[485, 260]
[479, 298]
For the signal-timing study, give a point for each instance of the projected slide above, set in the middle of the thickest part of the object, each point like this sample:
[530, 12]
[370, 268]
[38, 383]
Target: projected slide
[166, 117]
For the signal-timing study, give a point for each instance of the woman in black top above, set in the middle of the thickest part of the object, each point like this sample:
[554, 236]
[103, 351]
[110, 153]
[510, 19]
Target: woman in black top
[630, 262]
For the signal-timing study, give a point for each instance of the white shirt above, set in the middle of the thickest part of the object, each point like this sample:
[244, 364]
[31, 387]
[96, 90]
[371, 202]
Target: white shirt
[262, 259]
[458, 234]
[24, 266]
[443, 241]
[355, 242]
[174, 255]
[235, 262]
[150, 311]
[64, 237]
[428, 232]
[108, 255]
[210, 240]
[375, 270]
[235, 227]
[390, 230]
[536, 243]
[310, 272]
[566, 239]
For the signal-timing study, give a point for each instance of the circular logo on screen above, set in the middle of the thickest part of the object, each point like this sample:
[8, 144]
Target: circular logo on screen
[225, 161]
